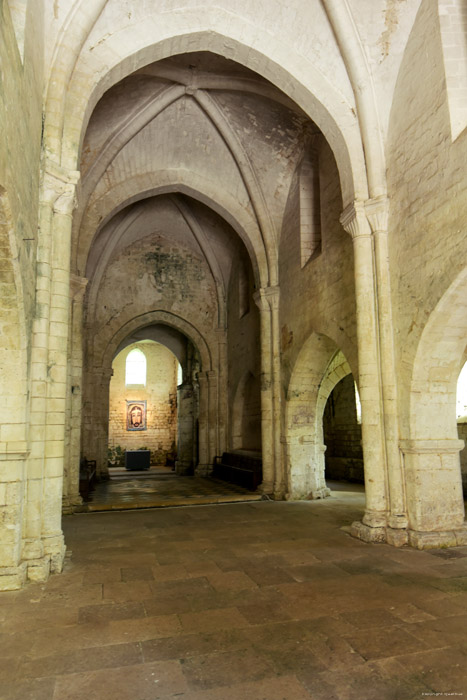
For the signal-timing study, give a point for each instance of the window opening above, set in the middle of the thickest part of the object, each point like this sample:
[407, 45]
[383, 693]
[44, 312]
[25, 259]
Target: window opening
[135, 368]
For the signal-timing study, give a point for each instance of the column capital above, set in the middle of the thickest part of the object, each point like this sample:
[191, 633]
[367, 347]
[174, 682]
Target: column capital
[77, 287]
[354, 220]
[377, 213]
[267, 295]
[59, 187]
[104, 373]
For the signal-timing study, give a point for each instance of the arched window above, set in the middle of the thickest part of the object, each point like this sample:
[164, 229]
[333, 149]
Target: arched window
[461, 407]
[135, 367]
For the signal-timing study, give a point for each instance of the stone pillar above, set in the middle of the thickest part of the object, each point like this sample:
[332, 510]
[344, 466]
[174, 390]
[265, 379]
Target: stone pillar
[185, 420]
[102, 376]
[202, 468]
[43, 547]
[267, 429]
[52, 535]
[212, 417]
[373, 527]
[377, 213]
[305, 468]
[222, 411]
[434, 493]
[272, 296]
[71, 496]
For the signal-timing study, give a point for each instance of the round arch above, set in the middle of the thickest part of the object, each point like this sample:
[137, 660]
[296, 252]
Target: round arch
[163, 318]
[431, 454]
[317, 369]
[232, 37]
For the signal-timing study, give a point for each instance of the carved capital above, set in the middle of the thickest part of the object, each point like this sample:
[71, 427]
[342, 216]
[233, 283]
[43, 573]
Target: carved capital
[377, 212]
[59, 187]
[267, 298]
[354, 220]
[77, 287]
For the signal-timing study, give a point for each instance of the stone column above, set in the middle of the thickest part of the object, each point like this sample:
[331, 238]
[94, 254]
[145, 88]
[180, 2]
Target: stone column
[202, 467]
[77, 291]
[222, 411]
[373, 527]
[100, 421]
[52, 535]
[43, 547]
[185, 420]
[272, 296]
[377, 211]
[212, 417]
[267, 413]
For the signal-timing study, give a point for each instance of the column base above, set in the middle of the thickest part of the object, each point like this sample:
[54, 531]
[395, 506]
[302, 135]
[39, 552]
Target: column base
[415, 538]
[316, 494]
[366, 533]
[12, 578]
[183, 468]
[203, 470]
[71, 503]
[440, 539]
[266, 488]
[38, 570]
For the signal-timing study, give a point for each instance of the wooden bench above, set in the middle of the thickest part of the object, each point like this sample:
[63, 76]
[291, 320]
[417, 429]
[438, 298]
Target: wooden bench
[87, 477]
[241, 467]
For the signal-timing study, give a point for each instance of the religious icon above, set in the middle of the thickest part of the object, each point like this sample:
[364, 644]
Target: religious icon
[136, 415]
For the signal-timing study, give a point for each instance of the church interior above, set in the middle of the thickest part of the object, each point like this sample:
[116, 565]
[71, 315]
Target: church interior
[233, 358]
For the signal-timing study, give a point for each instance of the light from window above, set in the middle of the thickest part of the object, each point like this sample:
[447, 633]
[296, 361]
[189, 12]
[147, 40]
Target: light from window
[461, 403]
[135, 367]
[179, 375]
[358, 405]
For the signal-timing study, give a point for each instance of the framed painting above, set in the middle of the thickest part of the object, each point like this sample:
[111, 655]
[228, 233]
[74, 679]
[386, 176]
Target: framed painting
[136, 415]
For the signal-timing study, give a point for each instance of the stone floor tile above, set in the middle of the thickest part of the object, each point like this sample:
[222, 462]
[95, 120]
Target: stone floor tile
[135, 591]
[225, 668]
[362, 684]
[37, 689]
[279, 688]
[139, 573]
[374, 642]
[371, 618]
[335, 652]
[90, 659]
[231, 581]
[269, 576]
[143, 681]
[317, 572]
[187, 645]
[442, 631]
[174, 572]
[408, 612]
[212, 620]
[103, 574]
[166, 606]
[111, 611]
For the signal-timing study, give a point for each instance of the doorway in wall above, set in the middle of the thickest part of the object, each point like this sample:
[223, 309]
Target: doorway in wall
[342, 432]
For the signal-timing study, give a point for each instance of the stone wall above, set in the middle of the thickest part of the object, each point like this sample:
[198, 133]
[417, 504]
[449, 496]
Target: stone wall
[343, 434]
[428, 197]
[160, 394]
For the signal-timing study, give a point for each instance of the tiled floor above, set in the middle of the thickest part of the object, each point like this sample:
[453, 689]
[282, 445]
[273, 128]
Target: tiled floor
[160, 487]
[247, 601]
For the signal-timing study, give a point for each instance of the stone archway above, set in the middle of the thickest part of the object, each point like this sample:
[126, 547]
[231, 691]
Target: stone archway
[431, 453]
